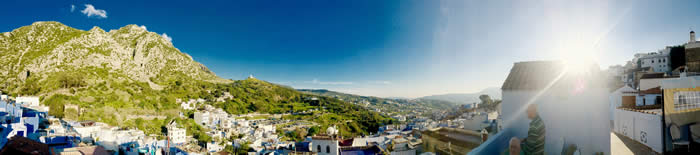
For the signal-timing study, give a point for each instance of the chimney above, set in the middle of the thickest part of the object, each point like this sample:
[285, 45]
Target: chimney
[692, 37]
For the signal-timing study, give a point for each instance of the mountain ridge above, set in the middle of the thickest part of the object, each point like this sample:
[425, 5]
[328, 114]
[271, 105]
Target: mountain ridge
[467, 98]
[402, 106]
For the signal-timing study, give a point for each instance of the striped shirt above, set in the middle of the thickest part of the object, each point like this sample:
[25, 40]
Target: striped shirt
[534, 143]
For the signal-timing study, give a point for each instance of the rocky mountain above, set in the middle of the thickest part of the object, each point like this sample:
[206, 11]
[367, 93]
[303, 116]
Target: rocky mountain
[41, 52]
[467, 98]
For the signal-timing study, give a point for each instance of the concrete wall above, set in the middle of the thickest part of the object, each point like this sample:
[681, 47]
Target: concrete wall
[476, 122]
[616, 100]
[681, 82]
[645, 84]
[692, 57]
[642, 127]
[581, 119]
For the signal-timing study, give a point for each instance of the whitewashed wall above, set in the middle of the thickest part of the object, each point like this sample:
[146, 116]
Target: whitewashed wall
[645, 84]
[582, 119]
[31, 100]
[642, 127]
[333, 144]
[615, 101]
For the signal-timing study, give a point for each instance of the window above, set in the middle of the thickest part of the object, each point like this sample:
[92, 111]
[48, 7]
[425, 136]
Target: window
[652, 61]
[318, 148]
[328, 149]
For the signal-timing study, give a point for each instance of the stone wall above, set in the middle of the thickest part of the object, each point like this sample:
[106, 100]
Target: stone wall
[692, 59]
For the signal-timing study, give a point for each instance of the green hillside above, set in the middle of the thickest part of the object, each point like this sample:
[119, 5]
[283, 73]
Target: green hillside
[398, 106]
[253, 95]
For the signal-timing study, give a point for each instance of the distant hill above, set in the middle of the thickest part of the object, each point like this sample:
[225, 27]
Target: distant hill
[466, 98]
[399, 105]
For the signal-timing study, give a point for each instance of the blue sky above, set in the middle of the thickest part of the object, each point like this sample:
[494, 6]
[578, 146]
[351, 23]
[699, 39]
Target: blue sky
[397, 48]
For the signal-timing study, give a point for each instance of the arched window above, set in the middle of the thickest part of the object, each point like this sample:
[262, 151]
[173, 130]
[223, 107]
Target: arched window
[318, 147]
[328, 149]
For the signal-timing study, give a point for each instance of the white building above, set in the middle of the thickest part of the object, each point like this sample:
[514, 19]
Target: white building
[176, 135]
[571, 103]
[17, 128]
[399, 118]
[214, 147]
[476, 121]
[649, 97]
[326, 144]
[202, 117]
[617, 96]
[86, 129]
[227, 122]
[187, 105]
[29, 100]
[650, 80]
[217, 116]
[401, 147]
[659, 61]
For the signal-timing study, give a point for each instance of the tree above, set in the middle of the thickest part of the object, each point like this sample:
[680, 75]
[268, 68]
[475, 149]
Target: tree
[243, 149]
[485, 99]
[229, 149]
[313, 130]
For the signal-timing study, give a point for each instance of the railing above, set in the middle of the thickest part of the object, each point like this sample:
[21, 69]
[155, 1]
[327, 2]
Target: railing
[495, 144]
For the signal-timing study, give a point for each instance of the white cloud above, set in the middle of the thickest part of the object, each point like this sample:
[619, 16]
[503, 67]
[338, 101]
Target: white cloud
[72, 8]
[380, 82]
[282, 82]
[168, 38]
[91, 11]
[143, 27]
[316, 81]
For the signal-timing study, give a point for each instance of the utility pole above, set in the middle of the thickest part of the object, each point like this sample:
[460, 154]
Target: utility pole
[167, 138]
[663, 122]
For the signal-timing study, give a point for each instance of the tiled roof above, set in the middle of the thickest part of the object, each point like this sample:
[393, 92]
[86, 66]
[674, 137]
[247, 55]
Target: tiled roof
[93, 150]
[532, 75]
[346, 142]
[538, 75]
[322, 137]
[655, 90]
[22, 145]
[652, 76]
